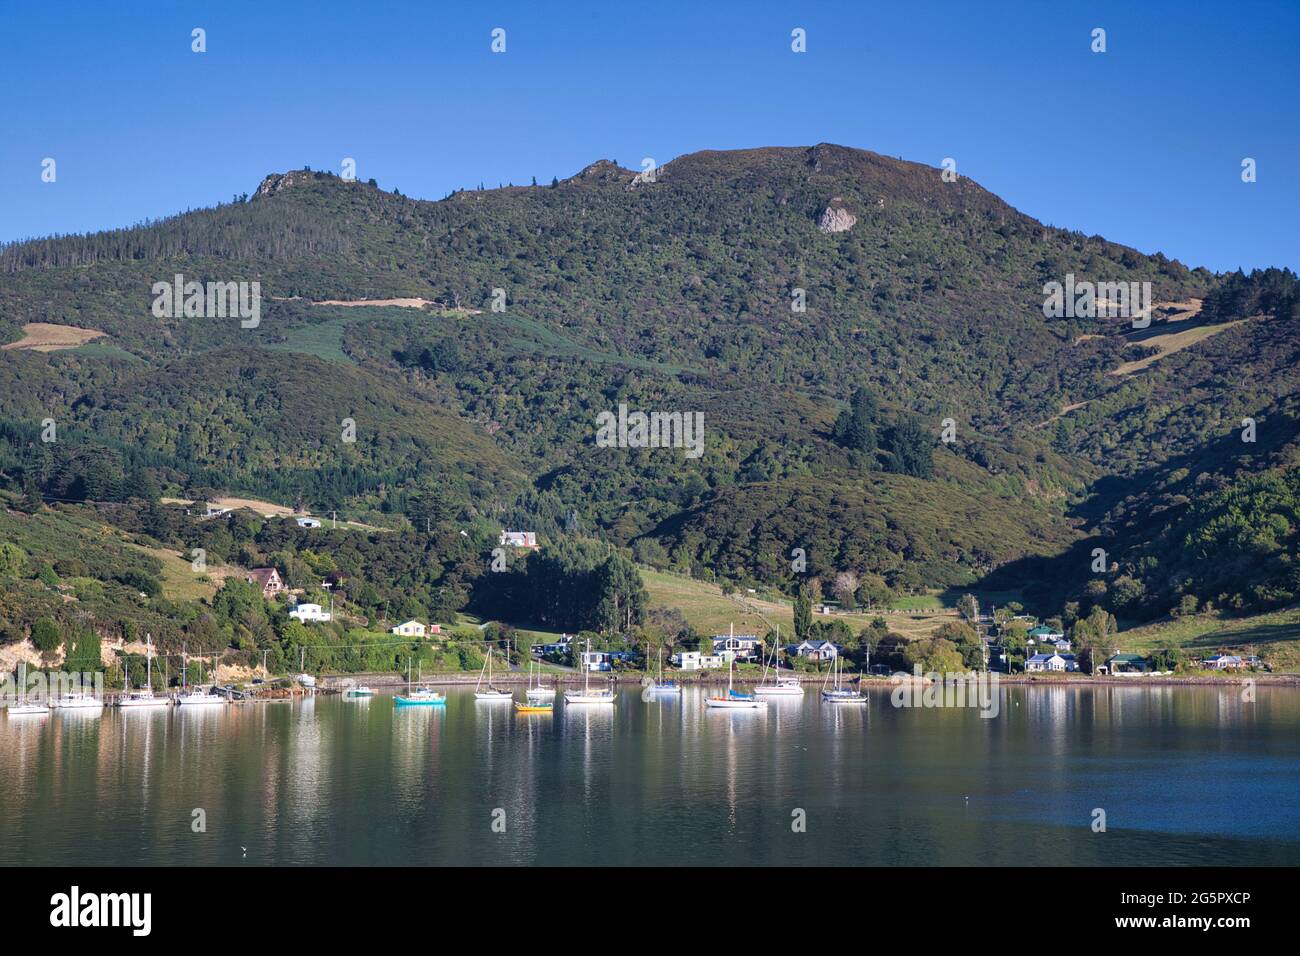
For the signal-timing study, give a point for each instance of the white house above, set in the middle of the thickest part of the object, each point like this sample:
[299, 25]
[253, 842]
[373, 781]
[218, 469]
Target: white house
[687, 660]
[1051, 662]
[519, 539]
[597, 661]
[308, 522]
[310, 612]
[1223, 662]
[408, 629]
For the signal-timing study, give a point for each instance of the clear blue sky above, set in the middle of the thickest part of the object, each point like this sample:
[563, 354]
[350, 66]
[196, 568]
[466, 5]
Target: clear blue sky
[1142, 144]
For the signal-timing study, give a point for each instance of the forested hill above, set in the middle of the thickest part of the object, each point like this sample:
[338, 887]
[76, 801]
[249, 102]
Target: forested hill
[825, 308]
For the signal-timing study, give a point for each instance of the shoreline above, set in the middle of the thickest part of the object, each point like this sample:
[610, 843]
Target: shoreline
[340, 682]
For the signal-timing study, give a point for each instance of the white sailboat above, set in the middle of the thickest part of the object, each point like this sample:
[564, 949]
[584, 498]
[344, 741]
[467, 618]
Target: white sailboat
[587, 695]
[840, 694]
[143, 697]
[661, 687]
[538, 694]
[781, 686]
[734, 699]
[491, 693]
[193, 698]
[86, 702]
[22, 708]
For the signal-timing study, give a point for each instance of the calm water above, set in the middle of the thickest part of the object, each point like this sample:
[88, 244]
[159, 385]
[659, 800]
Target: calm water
[1187, 775]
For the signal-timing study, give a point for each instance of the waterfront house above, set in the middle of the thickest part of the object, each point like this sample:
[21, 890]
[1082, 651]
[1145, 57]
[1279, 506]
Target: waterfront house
[1224, 662]
[1056, 663]
[712, 660]
[1126, 664]
[268, 579]
[519, 539]
[308, 522]
[815, 651]
[597, 661]
[687, 660]
[408, 629]
[309, 612]
[740, 647]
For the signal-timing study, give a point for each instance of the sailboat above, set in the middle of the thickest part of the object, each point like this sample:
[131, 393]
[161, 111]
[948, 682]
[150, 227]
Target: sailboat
[22, 708]
[840, 694]
[587, 695]
[143, 697]
[781, 686]
[734, 699]
[661, 686]
[194, 697]
[535, 704]
[538, 694]
[491, 693]
[421, 695]
[75, 701]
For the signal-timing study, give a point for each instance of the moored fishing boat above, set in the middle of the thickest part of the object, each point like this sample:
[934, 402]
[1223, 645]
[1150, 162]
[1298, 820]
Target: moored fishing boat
[534, 707]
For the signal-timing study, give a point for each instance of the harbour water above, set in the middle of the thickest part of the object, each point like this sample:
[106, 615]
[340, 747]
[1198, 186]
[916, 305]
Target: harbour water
[1184, 775]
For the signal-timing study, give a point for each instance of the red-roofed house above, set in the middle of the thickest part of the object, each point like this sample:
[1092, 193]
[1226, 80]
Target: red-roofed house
[268, 579]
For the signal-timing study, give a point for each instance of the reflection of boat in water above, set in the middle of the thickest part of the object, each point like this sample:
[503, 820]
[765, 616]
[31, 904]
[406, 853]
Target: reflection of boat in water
[144, 696]
[734, 699]
[587, 695]
[781, 686]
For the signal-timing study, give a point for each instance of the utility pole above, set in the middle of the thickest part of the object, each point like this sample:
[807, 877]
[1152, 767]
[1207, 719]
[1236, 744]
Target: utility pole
[336, 519]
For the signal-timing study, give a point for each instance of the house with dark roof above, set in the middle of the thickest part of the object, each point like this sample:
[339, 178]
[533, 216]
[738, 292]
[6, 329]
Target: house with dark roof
[1058, 663]
[815, 651]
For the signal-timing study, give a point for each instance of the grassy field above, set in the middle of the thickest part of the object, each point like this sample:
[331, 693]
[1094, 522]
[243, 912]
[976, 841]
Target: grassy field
[180, 582]
[1274, 636]
[709, 611]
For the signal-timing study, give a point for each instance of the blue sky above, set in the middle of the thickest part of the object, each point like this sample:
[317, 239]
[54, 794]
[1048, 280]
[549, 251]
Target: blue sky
[1142, 144]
